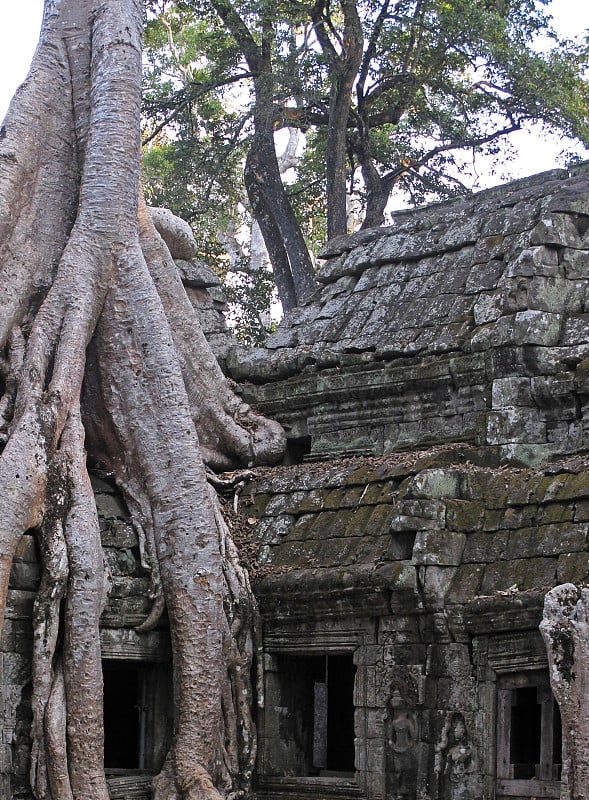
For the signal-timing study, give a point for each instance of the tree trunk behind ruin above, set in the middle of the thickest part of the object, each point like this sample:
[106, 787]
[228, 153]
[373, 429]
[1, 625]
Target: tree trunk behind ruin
[343, 71]
[284, 240]
[291, 263]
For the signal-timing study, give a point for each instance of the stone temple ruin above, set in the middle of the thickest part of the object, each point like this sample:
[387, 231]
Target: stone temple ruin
[435, 392]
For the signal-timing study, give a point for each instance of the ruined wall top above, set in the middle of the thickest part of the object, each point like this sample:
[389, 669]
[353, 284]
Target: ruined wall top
[434, 527]
[435, 279]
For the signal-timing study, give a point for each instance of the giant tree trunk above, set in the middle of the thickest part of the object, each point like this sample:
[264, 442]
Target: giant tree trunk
[343, 72]
[291, 263]
[100, 349]
[565, 629]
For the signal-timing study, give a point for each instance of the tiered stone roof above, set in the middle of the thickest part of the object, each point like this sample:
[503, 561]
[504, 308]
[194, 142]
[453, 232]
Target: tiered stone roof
[464, 321]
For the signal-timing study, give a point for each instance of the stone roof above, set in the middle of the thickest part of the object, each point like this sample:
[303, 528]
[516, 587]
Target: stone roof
[466, 320]
[430, 531]
[435, 279]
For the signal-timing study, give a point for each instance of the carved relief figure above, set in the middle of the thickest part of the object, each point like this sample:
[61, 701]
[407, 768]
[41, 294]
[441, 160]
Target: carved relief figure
[454, 760]
[401, 738]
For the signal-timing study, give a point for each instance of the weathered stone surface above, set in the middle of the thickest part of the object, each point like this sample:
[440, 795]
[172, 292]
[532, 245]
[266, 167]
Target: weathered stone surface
[523, 574]
[122, 643]
[110, 506]
[466, 584]
[197, 273]
[515, 424]
[557, 229]
[441, 548]
[416, 515]
[19, 604]
[436, 483]
[500, 274]
[26, 550]
[25, 575]
[439, 361]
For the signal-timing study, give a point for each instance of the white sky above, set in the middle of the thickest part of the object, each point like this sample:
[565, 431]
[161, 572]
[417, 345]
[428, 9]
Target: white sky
[19, 28]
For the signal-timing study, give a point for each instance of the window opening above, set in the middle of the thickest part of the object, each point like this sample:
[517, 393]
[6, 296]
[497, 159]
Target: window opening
[529, 736]
[316, 710]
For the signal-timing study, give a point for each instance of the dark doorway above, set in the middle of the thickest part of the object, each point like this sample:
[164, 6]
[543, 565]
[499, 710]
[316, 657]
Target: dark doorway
[297, 449]
[122, 701]
[340, 713]
[316, 717]
[526, 718]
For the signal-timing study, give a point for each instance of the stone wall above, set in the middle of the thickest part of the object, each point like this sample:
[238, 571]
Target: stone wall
[204, 291]
[438, 379]
[431, 572]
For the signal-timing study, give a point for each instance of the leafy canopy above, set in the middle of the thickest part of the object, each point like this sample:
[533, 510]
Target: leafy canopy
[440, 83]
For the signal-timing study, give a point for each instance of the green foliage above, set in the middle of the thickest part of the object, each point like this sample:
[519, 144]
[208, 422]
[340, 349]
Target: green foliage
[450, 75]
[442, 82]
[193, 128]
[250, 299]
[307, 192]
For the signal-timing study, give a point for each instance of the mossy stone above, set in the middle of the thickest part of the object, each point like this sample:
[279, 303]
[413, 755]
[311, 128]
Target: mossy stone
[465, 515]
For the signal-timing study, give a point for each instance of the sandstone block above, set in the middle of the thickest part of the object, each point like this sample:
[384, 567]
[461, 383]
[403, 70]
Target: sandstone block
[512, 391]
[415, 515]
[441, 548]
[556, 229]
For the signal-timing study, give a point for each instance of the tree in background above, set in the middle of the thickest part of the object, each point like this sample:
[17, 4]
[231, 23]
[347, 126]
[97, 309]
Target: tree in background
[208, 67]
[394, 98]
[415, 84]
[440, 79]
[100, 350]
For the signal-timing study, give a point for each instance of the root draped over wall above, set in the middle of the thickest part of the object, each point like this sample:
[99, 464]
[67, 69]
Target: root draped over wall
[101, 352]
[565, 630]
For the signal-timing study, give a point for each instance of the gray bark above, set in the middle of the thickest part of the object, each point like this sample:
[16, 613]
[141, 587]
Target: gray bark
[343, 71]
[91, 298]
[565, 629]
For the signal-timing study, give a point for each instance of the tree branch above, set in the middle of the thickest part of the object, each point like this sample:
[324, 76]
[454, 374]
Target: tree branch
[202, 90]
[391, 177]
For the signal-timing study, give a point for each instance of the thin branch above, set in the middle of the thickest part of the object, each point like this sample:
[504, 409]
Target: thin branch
[318, 16]
[241, 33]
[202, 90]
[371, 51]
[227, 149]
[391, 177]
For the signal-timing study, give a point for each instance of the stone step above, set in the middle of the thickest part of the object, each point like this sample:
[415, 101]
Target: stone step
[129, 787]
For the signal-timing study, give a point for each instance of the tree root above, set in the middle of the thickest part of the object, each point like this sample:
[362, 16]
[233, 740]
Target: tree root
[230, 432]
[565, 629]
[96, 304]
[84, 603]
[46, 622]
[56, 738]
